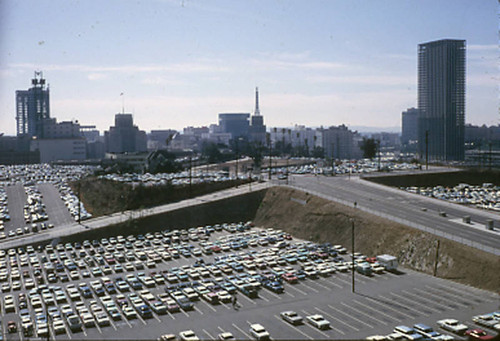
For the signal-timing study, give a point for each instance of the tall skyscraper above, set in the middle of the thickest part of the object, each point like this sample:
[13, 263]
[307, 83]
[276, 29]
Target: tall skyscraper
[441, 99]
[32, 107]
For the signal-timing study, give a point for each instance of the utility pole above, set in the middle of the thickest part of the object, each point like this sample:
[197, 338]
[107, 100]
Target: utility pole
[287, 170]
[270, 155]
[352, 246]
[190, 175]
[378, 150]
[79, 202]
[237, 152]
[490, 154]
[437, 258]
[426, 150]
[333, 159]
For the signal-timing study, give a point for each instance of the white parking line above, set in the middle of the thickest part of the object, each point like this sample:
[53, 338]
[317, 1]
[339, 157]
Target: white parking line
[210, 306]
[244, 333]
[336, 319]
[298, 290]
[436, 297]
[198, 310]
[68, 333]
[274, 295]
[378, 311]
[112, 324]
[171, 315]
[210, 336]
[295, 328]
[403, 305]
[140, 318]
[452, 295]
[98, 328]
[363, 313]
[248, 299]
[389, 307]
[460, 292]
[126, 321]
[310, 287]
[224, 305]
[265, 299]
[314, 328]
[351, 317]
[330, 280]
[289, 294]
[427, 300]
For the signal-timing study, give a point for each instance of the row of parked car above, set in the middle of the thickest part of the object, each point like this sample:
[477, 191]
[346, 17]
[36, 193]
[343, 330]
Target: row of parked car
[486, 196]
[422, 331]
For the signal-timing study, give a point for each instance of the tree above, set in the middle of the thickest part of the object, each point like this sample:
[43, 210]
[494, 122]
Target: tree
[211, 152]
[369, 148]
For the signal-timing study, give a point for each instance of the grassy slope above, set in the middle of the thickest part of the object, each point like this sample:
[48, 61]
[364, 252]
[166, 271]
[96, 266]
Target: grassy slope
[320, 220]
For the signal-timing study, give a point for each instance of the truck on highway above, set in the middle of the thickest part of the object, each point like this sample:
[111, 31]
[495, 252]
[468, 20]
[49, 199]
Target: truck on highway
[390, 263]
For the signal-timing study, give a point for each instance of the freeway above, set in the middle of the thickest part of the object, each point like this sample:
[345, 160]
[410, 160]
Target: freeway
[407, 208]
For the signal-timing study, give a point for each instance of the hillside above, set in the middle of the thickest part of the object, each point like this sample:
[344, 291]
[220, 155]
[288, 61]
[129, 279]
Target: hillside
[309, 217]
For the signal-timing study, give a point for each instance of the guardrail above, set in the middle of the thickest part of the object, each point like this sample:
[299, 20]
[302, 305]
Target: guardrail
[402, 221]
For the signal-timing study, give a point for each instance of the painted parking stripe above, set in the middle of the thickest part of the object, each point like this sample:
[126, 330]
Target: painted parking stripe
[224, 305]
[314, 328]
[377, 311]
[294, 327]
[363, 313]
[289, 294]
[248, 299]
[198, 310]
[210, 306]
[310, 287]
[387, 306]
[350, 316]
[296, 289]
[403, 305]
[321, 285]
[241, 331]
[171, 315]
[333, 317]
[98, 328]
[446, 293]
[142, 320]
[330, 281]
[112, 324]
[210, 336]
[450, 304]
[421, 297]
[274, 295]
[412, 302]
[474, 297]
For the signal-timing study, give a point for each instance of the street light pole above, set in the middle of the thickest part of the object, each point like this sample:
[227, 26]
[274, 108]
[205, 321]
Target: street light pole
[353, 263]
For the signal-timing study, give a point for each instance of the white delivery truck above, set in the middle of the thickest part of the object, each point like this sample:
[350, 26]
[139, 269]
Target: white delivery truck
[390, 263]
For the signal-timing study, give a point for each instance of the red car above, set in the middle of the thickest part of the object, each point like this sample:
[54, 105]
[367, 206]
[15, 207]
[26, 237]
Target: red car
[478, 334]
[12, 327]
[290, 278]
[371, 259]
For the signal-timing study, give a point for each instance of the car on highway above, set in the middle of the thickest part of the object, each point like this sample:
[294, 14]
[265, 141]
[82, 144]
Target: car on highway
[453, 326]
[259, 332]
[291, 317]
[188, 335]
[318, 321]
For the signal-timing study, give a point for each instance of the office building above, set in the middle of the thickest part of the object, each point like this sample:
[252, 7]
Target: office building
[236, 124]
[340, 143]
[124, 136]
[409, 126]
[441, 99]
[32, 107]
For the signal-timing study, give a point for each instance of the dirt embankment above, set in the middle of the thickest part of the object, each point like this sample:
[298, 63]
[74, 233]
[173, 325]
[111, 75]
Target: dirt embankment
[313, 218]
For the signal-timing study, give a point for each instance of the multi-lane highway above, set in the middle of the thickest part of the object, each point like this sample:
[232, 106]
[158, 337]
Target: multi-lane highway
[407, 208]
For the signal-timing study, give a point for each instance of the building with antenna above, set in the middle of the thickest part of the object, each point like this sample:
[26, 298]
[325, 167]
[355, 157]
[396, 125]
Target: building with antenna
[257, 129]
[32, 107]
[124, 136]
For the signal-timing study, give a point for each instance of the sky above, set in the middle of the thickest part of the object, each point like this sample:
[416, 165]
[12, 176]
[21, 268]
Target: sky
[179, 63]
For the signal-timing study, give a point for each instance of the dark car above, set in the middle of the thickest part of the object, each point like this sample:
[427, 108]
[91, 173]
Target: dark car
[74, 323]
[144, 311]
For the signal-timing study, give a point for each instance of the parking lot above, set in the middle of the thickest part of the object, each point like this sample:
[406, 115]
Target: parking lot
[136, 286]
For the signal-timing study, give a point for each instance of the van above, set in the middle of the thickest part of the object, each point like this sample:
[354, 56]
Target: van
[364, 269]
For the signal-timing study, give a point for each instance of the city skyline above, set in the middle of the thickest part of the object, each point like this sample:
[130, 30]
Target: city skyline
[181, 63]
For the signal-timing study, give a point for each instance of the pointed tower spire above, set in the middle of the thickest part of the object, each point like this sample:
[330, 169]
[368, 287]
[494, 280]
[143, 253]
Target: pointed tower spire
[257, 111]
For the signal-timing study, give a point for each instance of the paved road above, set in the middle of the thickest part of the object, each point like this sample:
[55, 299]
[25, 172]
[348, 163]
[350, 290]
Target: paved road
[407, 208]
[70, 228]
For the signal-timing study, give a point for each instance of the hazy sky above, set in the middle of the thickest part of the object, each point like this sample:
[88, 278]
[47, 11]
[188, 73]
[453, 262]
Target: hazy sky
[181, 63]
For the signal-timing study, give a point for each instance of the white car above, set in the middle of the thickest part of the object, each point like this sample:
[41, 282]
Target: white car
[453, 326]
[259, 332]
[188, 335]
[318, 321]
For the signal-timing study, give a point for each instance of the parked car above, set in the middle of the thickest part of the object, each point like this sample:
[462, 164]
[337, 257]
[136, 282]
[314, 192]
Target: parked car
[291, 317]
[318, 321]
[453, 326]
[259, 332]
